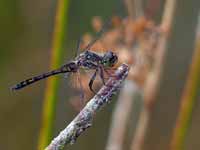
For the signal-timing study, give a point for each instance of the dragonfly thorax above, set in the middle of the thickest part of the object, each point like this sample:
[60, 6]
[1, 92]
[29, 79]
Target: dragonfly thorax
[89, 60]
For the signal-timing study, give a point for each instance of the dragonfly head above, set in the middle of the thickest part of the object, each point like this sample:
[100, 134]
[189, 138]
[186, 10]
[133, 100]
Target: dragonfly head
[109, 59]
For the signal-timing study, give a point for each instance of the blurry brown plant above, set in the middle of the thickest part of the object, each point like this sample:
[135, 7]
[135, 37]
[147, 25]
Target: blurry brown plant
[135, 43]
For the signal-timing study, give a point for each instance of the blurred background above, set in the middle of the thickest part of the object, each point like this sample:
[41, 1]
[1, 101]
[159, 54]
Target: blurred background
[26, 30]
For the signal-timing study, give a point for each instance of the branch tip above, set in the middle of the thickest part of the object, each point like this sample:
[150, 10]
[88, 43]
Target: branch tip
[84, 119]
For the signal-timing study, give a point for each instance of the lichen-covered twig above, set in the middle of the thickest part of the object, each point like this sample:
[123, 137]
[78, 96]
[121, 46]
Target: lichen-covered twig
[84, 119]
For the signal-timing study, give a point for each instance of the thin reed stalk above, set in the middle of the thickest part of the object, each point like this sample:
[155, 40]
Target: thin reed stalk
[49, 104]
[134, 8]
[153, 80]
[121, 115]
[124, 105]
[188, 102]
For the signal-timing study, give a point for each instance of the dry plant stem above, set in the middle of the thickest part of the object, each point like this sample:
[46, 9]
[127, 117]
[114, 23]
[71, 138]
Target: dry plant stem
[130, 8]
[84, 119]
[142, 125]
[49, 104]
[151, 8]
[168, 14]
[134, 8]
[188, 101]
[141, 129]
[120, 116]
[152, 83]
[125, 101]
[138, 8]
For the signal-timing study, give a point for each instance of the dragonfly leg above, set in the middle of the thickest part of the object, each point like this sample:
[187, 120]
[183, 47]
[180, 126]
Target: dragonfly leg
[92, 81]
[110, 74]
[102, 74]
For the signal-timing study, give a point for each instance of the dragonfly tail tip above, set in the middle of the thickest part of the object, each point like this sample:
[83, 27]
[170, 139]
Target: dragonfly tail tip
[14, 88]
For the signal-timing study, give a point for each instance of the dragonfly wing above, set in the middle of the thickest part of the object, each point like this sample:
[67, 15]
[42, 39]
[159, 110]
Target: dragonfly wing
[66, 75]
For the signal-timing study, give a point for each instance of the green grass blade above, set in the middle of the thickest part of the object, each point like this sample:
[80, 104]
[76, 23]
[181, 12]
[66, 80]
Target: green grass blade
[188, 102]
[49, 105]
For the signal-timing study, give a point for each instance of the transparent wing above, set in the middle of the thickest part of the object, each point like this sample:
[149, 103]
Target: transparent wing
[78, 46]
[99, 34]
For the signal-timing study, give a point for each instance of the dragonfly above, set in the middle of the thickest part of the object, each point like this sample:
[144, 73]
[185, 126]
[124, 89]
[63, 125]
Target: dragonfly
[87, 60]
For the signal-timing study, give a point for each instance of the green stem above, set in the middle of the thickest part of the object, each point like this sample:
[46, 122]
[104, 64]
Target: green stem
[189, 99]
[49, 105]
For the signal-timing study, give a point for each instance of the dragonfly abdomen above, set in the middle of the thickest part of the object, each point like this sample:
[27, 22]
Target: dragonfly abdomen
[69, 67]
[34, 79]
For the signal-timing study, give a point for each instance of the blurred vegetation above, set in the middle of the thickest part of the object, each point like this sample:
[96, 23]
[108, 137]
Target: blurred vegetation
[26, 34]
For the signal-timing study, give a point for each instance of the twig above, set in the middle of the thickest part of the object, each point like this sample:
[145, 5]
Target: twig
[84, 119]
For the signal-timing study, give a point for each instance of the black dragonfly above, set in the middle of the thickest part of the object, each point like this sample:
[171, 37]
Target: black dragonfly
[88, 59]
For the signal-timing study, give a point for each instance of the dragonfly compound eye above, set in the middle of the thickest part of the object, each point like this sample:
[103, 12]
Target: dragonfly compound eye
[109, 59]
